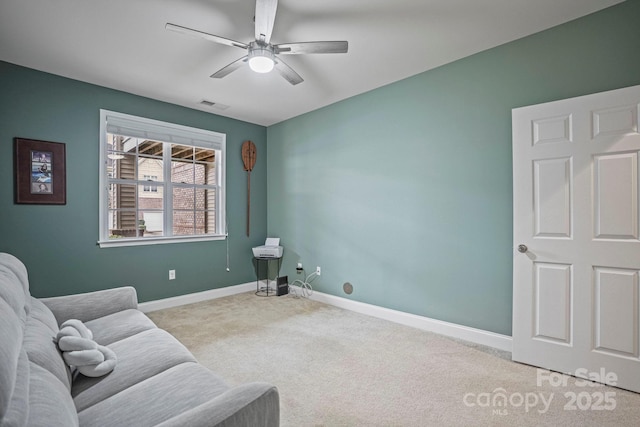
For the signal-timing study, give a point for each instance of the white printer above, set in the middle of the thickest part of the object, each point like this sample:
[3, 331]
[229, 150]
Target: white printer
[270, 249]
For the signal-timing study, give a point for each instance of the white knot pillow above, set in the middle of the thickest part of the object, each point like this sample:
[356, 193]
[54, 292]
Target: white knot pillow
[81, 352]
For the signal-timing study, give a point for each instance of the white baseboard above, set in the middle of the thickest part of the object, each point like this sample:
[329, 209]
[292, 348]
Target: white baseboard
[160, 304]
[478, 336]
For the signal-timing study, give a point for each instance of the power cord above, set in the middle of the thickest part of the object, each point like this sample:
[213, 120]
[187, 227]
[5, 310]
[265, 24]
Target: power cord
[304, 287]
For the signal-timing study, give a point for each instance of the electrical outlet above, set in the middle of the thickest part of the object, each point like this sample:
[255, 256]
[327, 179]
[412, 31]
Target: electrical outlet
[318, 270]
[299, 268]
[172, 274]
[299, 265]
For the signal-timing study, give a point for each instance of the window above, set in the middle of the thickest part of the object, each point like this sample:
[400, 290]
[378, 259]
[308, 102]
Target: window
[160, 182]
[148, 187]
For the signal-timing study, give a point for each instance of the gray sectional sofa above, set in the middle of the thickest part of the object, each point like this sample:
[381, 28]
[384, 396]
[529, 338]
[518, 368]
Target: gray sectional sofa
[156, 381]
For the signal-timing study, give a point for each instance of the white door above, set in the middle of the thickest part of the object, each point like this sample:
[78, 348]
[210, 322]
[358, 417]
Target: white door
[575, 278]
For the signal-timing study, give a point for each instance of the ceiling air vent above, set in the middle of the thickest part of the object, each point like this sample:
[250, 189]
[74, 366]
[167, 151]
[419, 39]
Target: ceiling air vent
[215, 105]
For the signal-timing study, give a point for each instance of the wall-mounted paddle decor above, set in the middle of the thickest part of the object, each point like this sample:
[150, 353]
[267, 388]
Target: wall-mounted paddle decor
[249, 159]
[39, 172]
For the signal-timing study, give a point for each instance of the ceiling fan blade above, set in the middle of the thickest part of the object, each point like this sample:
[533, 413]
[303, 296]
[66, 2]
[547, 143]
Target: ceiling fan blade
[265, 17]
[229, 68]
[287, 72]
[206, 36]
[312, 47]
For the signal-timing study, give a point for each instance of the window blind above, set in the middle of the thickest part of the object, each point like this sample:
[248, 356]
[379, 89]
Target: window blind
[155, 130]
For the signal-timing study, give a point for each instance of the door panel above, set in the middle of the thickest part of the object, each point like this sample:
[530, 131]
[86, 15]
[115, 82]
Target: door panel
[553, 302]
[576, 295]
[553, 129]
[552, 193]
[616, 311]
[615, 121]
[616, 196]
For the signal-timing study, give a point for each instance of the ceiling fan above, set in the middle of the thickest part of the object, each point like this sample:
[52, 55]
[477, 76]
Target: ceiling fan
[261, 54]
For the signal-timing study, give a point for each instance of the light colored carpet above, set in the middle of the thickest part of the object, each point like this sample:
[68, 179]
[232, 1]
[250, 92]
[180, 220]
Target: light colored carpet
[334, 367]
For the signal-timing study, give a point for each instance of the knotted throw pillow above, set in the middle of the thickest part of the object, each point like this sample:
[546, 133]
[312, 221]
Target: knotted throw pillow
[81, 352]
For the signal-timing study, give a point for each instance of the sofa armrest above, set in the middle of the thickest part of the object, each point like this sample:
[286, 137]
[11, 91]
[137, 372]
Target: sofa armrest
[252, 404]
[92, 305]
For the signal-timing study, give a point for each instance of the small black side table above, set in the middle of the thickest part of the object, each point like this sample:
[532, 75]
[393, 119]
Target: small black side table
[266, 291]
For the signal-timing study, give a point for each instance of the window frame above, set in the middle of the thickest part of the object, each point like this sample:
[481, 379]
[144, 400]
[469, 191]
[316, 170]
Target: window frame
[168, 133]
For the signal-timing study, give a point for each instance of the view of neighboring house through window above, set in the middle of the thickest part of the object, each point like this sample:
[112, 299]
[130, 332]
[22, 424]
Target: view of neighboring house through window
[161, 182]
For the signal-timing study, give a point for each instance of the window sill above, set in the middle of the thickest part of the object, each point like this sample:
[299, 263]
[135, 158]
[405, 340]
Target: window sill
[112, 243]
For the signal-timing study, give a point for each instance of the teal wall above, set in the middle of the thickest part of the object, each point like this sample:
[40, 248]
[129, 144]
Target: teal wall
[406, 191]
[58, 243]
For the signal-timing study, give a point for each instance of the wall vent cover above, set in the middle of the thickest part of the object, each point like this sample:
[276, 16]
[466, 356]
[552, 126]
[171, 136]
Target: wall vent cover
[215, 105]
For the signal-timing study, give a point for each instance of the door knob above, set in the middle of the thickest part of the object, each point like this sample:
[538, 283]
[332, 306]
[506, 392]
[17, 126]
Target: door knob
[522, 248]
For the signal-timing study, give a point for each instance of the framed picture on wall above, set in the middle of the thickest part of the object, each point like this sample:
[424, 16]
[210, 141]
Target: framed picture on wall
[39, 172]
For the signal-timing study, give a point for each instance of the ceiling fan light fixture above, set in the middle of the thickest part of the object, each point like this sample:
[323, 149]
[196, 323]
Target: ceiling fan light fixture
[261, 64]
[261, 60]
[261, 54]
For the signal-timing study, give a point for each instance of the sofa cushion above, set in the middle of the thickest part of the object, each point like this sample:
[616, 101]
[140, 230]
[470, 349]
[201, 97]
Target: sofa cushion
[252, 404]
[39, 342]
[14, 283]
[14, 364]
[49, 401]
[117, 326]
[157, 399]
[92, 305]
[41, 312]
[14, 289]
[11, 335]
[11, 293]
[16, 404]
[139, 357]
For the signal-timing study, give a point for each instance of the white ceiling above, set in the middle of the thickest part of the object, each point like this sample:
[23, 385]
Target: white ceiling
[122, 44]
